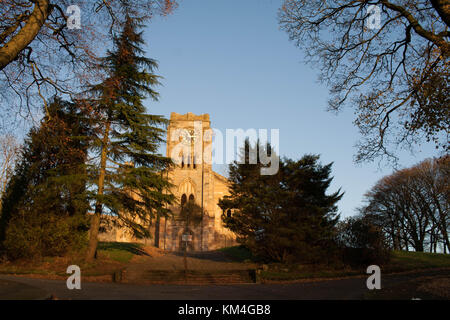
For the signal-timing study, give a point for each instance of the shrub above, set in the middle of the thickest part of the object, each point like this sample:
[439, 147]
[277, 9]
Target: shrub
[38, 235]
[362, 242]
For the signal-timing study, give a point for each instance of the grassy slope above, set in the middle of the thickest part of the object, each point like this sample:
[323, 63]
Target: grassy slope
[111, 256]
[400, 261]
[114, 256]
[119, 251]
[404, 261]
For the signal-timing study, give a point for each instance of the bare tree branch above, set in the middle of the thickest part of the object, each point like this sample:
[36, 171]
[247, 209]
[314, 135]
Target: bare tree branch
[395, 75]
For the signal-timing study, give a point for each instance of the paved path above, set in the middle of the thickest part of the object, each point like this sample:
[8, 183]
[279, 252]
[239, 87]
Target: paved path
[13, 290]
[353, 288]
[339, 289]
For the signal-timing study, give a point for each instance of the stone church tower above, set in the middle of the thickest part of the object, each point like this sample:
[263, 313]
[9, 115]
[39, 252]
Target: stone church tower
[189, 139]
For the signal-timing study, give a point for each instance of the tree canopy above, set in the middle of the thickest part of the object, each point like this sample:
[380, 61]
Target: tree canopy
[412, 206]
[40, 56]
[395, 75]
[45, 201]
[127, 169]
[283, 217]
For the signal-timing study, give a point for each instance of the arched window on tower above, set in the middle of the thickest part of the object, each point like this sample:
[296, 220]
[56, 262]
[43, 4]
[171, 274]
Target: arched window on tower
[229, 213]
[183, 200]
[191, 198]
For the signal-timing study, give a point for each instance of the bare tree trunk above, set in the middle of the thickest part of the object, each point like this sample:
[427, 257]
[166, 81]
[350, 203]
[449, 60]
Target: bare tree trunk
[27, 34]
[95, 221]
[431, 241]
[440, 221]
[444, 232]
[157, 229]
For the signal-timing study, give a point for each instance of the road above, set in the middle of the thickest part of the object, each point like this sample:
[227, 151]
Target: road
[343, 289]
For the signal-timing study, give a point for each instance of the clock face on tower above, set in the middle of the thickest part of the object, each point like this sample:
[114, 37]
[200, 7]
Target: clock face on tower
[189, 137]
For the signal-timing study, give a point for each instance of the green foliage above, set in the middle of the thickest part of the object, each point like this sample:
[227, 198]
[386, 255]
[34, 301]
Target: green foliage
[120, 251]
[362, 242]
[13, 195]
[360, 232]
[127, 179]
[286, 216]
[45, 204]
[409, 260]
[238, 253]
[34, 234]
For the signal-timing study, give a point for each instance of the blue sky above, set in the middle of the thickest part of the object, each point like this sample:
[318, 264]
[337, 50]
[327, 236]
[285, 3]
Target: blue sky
[228, 58]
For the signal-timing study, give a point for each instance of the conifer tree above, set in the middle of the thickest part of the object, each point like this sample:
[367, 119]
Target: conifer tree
[45, 202]
[127, 180]
[283, 217]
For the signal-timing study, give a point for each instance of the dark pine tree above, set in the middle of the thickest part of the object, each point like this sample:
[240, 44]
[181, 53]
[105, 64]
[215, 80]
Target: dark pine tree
[283, 217]
[248, 209]
[45, 203]
[127, 178]
[308, 215]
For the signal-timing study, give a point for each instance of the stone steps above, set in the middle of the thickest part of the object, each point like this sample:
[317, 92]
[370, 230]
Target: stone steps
[191, 277]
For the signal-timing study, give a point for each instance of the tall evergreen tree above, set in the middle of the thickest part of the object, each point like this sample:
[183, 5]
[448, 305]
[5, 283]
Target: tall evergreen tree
[126, 178]
[45, 202]
[307, 211]
[282, 217]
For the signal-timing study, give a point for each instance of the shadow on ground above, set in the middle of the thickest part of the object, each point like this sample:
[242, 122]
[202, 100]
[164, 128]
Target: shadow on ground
[133, 248]
[216, 256]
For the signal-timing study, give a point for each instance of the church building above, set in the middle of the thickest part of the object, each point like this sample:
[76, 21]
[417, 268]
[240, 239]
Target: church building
[189, 144]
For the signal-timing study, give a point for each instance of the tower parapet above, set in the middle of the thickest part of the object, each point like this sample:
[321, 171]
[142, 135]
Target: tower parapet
[174, 116]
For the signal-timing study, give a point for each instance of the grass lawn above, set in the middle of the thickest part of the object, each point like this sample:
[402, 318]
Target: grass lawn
[405, 261]
[119, 251]
[111, 257]
[401, 261]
